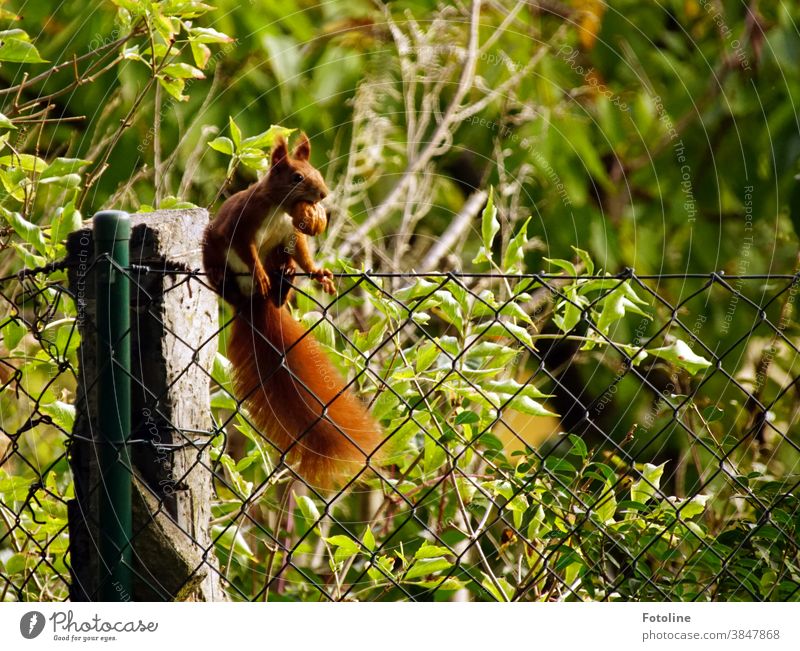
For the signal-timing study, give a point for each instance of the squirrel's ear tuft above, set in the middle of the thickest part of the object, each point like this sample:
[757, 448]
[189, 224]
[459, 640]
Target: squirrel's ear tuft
[280, 153]
[303, 149]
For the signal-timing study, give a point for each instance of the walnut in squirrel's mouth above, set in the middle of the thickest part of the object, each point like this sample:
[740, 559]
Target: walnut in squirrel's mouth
[309, 218]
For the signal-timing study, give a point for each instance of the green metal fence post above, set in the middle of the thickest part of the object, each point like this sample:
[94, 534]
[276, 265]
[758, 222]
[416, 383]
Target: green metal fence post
[112, 231]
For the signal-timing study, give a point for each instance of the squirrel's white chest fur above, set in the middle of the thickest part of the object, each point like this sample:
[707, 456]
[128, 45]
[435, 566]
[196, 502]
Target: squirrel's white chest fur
[277, 230]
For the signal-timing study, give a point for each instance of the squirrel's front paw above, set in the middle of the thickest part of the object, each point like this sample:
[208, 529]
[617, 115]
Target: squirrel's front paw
[325, 278]
[262, 282]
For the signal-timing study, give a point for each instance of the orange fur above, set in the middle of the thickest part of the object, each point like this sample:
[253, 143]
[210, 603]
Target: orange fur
[299, 401]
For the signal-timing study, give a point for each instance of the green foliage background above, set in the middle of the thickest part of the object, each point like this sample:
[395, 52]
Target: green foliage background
[658, 136]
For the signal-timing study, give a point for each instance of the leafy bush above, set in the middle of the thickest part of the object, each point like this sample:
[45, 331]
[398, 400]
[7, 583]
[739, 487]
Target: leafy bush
[453, 508]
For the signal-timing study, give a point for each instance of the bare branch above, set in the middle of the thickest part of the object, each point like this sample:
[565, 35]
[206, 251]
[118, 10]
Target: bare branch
[434, 147]
[458, 227]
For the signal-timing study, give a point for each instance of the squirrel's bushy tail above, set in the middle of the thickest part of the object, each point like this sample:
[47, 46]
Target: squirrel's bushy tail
[298, 401]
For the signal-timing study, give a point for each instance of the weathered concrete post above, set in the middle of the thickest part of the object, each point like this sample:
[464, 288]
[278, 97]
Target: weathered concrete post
[173, 321]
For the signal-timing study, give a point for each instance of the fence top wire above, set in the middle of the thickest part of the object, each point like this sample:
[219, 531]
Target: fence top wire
[161, 266]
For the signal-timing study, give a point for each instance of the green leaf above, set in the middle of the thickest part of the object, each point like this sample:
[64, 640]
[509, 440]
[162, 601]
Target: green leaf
[344, 542]
[186, 9]
[466, 418]
[536, 525]
[136, 7]
[712, 414]
[450, 309]
[20, 34]
[5, 123]
[449, 584]
[29, 233]
[485, 304]
[223, 400]
[61, 413]
[201, 53]
[694, 506]
[346, 547]
[425, 566]
[434, 453]
[503, 591]
[566, 265]
[66, 181]
[208, 35]
[767, 582]
[236, 133]
[266, 139]
[27, 162]
[569, 312]
[165, 26]
[16, 564]
[559, 466]
[587, 261]
[231, 538]
[515, 310]
[375, 335]
[222, 144]
[615, 305]
[515, 251]
[636, 353]
[64, 166]
[682, 356]
[385, 406]
[508, 329]
[174, 87]
[607, 504]
[643, 489]
[324, 332]
[385, 563]
[182, 71]
[489, 228]
[578, 446]
[14, 488]
[529, 406]
[221, 370]
[254, 158]
[425, 356]
[421, 287]
[308, 509]
[369, 539]
[431, 551]
[18, 51]
[28, 259]
[13, 332]
[510, 386]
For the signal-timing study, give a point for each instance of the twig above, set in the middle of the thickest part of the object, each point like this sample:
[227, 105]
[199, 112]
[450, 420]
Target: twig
[98, 171]
[278, 519]
[435, 145]
[458, 227]
[158, 179]
[72, 62]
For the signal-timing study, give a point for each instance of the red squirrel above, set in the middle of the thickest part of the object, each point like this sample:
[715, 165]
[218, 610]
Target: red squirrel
[294, 395]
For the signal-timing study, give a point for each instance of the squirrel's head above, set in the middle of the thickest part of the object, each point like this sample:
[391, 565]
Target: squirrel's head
[293, 176]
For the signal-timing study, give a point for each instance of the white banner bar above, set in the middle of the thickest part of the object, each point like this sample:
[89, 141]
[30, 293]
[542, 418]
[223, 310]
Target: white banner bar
[399, 626]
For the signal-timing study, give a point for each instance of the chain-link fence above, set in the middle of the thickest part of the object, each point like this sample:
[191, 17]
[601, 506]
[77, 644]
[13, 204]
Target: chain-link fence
[552, 436]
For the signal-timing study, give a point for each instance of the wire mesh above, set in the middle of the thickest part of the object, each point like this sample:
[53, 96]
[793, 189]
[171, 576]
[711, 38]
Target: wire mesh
[545, 437]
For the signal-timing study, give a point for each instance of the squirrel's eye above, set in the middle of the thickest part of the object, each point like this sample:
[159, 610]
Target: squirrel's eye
[297, 177]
